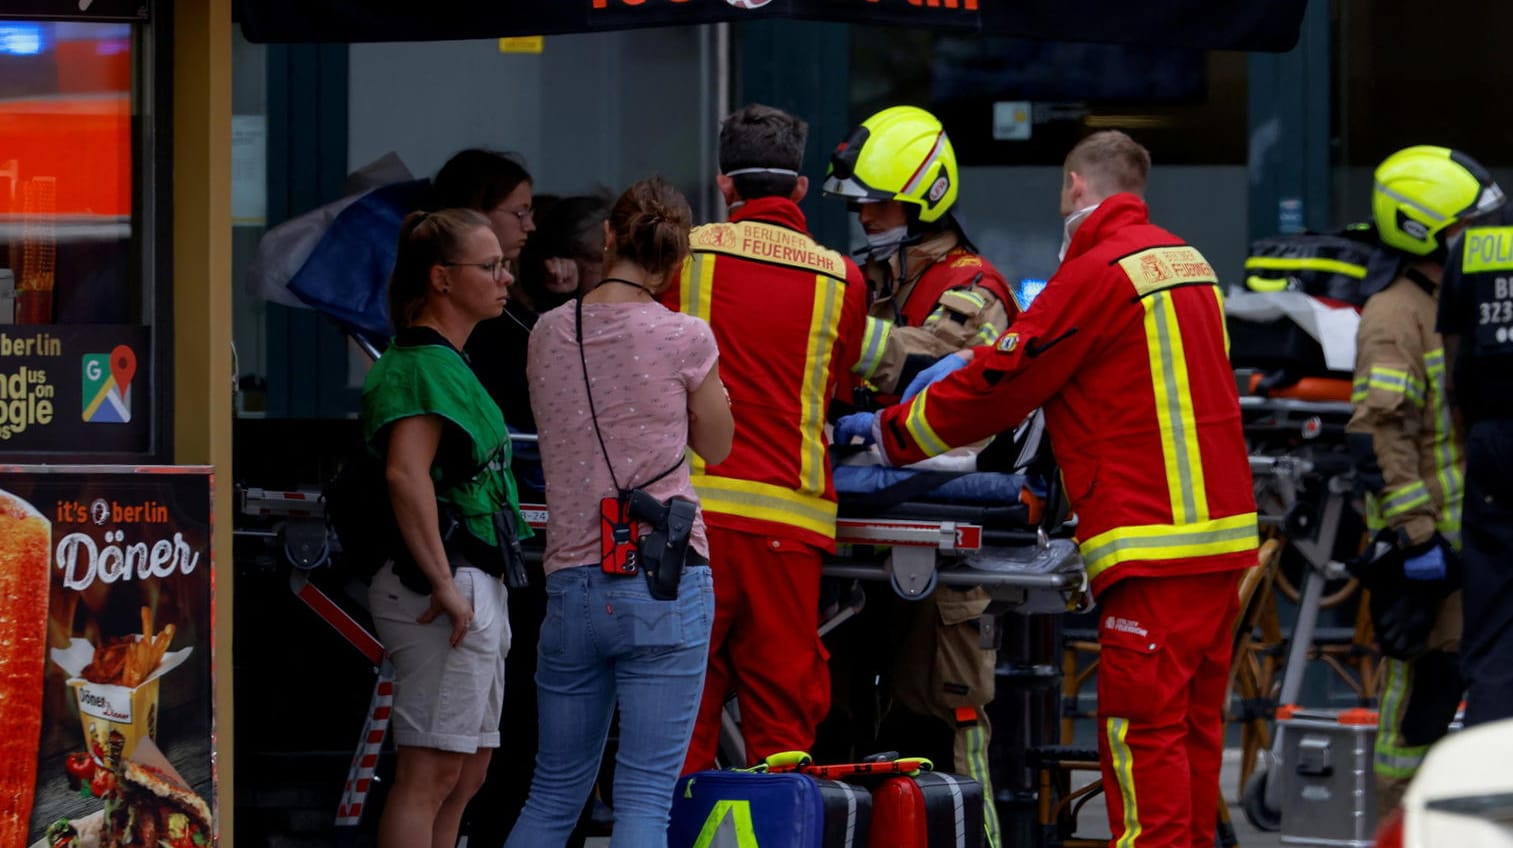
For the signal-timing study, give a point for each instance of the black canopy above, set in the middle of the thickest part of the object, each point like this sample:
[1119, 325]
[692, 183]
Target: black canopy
[1268, 25]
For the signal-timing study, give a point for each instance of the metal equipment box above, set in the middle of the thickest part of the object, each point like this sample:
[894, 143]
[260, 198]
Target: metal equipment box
[1330, 796]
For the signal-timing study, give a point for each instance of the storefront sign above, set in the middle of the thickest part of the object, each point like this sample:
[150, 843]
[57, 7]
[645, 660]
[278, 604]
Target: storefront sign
[80, 389]
[1216, 24]
[81, 10]
[106, 650]
[935, 12]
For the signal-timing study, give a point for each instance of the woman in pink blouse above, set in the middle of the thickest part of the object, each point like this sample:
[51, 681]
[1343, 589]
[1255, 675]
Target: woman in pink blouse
[621, 387]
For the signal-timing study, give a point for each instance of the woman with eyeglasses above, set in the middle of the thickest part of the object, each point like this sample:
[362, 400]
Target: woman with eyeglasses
[439, 605]
[498, 186]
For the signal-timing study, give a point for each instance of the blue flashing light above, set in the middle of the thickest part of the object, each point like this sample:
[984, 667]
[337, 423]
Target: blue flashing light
[21, 39]
[1026, 290]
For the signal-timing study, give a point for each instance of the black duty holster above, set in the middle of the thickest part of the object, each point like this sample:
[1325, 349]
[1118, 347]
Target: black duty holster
[664, 551]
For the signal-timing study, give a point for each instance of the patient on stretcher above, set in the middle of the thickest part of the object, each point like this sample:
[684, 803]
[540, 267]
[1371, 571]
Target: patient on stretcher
[1009, 471]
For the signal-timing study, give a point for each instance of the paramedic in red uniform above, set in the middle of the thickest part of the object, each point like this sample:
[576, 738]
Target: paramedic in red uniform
[1127, 351]
[788, 317]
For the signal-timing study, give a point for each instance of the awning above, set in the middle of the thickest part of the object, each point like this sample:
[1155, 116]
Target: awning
[1266, 25]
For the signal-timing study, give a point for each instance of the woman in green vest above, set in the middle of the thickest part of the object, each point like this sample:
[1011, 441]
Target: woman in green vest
[440, 605]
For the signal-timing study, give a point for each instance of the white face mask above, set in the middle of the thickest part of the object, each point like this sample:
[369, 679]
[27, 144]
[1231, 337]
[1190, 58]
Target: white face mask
[1073, 221]
[884, 244]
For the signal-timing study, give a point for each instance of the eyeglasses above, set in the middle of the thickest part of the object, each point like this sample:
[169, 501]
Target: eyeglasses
[526, 214]
[496, 269]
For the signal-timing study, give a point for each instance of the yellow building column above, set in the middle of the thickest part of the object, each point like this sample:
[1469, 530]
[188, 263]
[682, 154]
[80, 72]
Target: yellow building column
[202, 399]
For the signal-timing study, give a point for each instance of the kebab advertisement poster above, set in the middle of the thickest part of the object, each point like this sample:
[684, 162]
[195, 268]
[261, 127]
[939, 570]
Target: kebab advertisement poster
[106, 645]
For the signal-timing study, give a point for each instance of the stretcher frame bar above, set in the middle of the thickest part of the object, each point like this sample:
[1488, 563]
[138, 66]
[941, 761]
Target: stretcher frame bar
[1059, 581]
[940, 535]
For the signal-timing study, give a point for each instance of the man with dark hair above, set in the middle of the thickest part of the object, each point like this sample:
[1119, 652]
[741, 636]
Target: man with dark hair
[761, 151]
[1126, 351]
[788, 316]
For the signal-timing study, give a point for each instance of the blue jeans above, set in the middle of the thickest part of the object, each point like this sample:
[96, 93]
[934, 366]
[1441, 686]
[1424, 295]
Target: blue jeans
[605, 639]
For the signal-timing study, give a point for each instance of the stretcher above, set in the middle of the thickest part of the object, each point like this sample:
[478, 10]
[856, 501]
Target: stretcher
[919, 545]
[981, 528]
[1305, 484]
[973, 529]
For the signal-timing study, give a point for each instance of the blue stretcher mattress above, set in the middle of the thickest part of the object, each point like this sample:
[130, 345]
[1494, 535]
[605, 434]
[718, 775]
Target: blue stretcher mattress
[979, 487]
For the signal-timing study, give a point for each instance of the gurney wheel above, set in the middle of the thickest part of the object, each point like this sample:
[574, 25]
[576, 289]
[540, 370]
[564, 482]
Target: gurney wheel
[928, 589]
[1254, 804]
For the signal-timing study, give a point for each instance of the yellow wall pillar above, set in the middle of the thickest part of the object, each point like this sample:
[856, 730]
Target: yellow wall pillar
[202, 308]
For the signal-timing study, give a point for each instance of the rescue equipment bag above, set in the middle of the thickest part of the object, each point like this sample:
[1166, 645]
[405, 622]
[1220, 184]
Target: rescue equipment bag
[927, 810]
[755, 809]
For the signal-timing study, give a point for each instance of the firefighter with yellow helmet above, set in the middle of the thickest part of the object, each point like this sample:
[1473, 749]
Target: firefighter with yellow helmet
[1411, 450]
[932, 294]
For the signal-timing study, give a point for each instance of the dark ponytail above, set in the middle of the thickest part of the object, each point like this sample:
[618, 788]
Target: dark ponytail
[650, 223]
[426, 239]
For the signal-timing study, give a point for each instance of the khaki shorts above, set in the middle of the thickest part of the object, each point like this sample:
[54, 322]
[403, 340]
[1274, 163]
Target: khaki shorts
[444, 697]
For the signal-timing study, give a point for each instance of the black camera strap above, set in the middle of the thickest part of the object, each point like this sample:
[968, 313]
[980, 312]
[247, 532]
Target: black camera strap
[594, 415]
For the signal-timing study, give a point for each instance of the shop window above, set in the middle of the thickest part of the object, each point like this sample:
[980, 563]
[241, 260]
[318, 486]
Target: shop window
[1013, 101]
[76, 363]
[586, 113]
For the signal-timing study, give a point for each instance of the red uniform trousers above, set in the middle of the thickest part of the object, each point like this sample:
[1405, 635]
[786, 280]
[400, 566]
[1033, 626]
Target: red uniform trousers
[765, 646]
[1164, 667]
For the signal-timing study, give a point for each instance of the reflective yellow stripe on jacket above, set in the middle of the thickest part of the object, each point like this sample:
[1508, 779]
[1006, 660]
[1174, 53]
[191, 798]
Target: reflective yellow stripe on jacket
[1169, 542]
[874, 343]
[918, 425]
[1174, 409]
[1392, 380]
[1449, 461]
[1413, 495]
[824, 326]
[765, 502]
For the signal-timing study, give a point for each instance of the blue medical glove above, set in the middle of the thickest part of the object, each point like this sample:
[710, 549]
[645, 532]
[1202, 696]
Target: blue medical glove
[1429, 565]
[943, 366]
[853, 425]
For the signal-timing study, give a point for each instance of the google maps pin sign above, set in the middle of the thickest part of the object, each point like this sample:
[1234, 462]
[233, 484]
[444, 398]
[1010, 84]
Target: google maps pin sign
[123, 366]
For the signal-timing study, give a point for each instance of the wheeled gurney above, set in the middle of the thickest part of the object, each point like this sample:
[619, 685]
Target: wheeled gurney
[977, 528]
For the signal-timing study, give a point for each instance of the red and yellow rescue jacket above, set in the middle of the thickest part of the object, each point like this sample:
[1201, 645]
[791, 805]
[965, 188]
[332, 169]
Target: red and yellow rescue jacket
[951, 299]
[788, 316]
[1126, 350]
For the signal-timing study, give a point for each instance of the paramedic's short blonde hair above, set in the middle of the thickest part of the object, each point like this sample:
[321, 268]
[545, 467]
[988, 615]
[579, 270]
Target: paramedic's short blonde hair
[1111, 162]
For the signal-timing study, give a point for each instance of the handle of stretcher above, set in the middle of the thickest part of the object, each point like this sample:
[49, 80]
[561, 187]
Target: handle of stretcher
[1323, 389]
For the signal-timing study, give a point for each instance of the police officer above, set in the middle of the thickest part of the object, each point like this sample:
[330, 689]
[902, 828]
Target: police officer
[1403, 434]
[1476, 318]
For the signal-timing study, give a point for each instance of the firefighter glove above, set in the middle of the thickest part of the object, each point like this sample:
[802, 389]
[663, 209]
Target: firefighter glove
[856, 425]
[1429, 565]
[943, 366]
